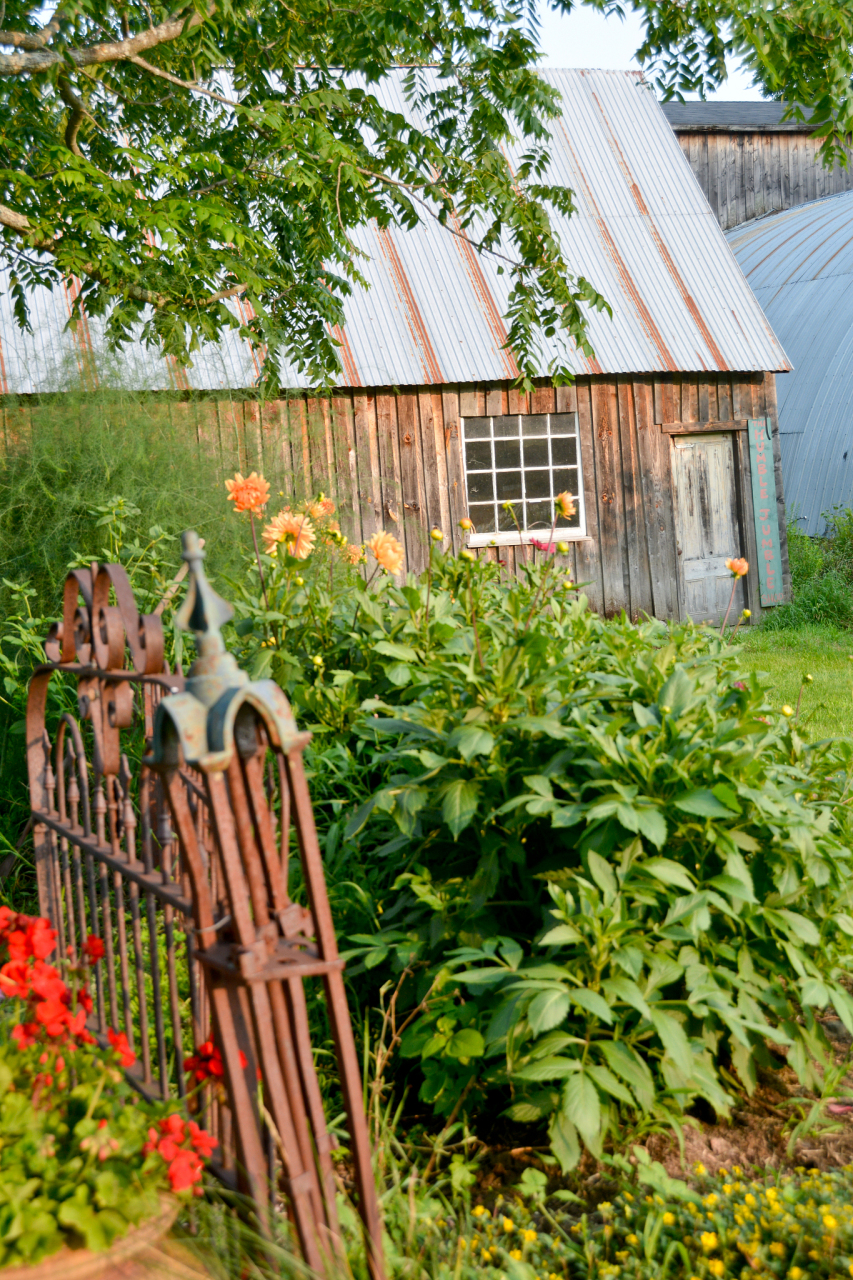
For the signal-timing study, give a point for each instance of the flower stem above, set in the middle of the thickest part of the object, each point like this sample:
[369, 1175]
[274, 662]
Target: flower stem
[735, 581]
[258, 558]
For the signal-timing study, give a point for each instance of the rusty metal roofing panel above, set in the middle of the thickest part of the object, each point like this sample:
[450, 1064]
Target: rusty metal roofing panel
[643, 235]
[800, 265]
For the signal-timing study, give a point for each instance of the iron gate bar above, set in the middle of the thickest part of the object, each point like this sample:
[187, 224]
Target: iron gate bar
[198, 841]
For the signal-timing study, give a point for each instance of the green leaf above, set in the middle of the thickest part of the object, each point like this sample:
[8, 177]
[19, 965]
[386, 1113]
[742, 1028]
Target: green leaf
[802, 927]
[552, 1068]
[399, 674]
[674, 1040]
[626, 990]
[593, 1003]
[608, 1083]
[547, 1010]
[402, 652]
[472, 741]
[459, 804]
[467, 1043]
[564, 1141]
[702, 804]
[631, 1068]
[602, 874]
[667, 871]
[562, 935]
[581, 1105]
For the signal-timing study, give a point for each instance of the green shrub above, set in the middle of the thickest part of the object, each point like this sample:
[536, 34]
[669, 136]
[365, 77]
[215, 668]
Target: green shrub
[604, 873]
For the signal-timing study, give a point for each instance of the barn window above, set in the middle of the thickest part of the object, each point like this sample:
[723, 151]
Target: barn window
[524, 459]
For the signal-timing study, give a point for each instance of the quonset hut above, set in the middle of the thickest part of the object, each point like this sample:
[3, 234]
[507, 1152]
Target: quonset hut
[800, 265]
[668, 436]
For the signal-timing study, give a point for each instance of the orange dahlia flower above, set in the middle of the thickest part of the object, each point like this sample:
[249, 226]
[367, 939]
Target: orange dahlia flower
[296, 531]
[248, 494]
[321, 508]
[355, 553]
[388, 551]
[737, 568]
[565, 505]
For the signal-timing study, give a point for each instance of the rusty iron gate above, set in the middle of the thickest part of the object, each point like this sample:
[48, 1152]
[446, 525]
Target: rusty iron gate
[178, 857]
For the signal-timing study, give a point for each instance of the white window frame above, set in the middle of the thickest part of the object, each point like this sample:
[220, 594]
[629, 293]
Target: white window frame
[512, 537]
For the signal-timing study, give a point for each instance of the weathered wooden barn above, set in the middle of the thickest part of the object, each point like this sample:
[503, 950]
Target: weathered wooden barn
[668, 435]
[749, 162]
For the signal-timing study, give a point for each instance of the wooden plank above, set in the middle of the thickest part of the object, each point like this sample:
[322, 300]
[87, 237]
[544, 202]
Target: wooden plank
[639, 576]
[746, 516]
[364, 408]
[457, 497]
[587, 553]
[391, 494]
[252, 434]
[714, 424]
[543, 400]
[611, 516]
[566, 399]
[704, 400]
[517, 401]
[472, 403]
[207, 431]
[772, 412]
[653, 451]
[690, 400]
[437, 512]
[231, 435]
[408, 429]
[494, 401]
[343, 415]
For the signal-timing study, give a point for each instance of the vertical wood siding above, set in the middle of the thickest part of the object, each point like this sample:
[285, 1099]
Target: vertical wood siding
[393, 460]
[745, 175]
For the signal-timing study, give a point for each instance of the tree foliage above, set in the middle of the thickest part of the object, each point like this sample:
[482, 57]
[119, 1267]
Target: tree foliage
[178, 159]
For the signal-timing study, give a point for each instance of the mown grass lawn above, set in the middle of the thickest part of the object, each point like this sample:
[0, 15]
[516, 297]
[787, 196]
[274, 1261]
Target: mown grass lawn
[784, 657]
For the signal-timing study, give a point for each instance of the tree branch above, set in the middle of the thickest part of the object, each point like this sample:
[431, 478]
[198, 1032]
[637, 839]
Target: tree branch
[184, 84]
[31, 39]
[40, 60]
[78, 114]
[20, 223]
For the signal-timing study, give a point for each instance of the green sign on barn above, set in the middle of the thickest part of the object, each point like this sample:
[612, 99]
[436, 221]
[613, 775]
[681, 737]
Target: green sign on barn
[766, 511]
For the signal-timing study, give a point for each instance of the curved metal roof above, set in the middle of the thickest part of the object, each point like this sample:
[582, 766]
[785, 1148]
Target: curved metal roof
[800, 266]
[643, 235]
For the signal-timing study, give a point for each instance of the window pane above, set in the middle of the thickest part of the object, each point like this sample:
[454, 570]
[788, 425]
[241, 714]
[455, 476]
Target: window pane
[566, 481]
[480, 487]
[535, 453]
[478, 456]
[539, 516]
[506, 426]
[563, 424]
[483, 517]
[508, 485]
[476, 428]
[507, 454]
[534, 424]
[537, 484]
[505, 520]
[564, 452]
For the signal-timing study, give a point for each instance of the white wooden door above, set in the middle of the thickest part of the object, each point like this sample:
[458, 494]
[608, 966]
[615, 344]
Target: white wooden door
[706, 525]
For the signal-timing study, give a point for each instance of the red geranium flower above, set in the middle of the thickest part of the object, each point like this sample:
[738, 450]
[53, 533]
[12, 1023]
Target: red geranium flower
[119, 1042]
[47, 983]
[184, 1170]
[203, 1142]
[15, 979]
[25, 1034]
[53, 1015]
[94, 949]
[205, 1063]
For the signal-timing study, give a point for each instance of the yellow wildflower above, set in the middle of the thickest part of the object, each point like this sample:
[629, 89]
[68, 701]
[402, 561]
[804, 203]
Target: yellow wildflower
[717, 1267]
[814, 1255]
[508, 1224]
[708, 1240]
[796, 1273]
[531, 1236]
[700, 1168]
[516, 1254]
[710, 1201]
[631, 1239]
[829, 1222]
[479, 1210]
[669, 1219]
[750, 1201]
[778, 1249]
[486, 1256]
[727, 1188]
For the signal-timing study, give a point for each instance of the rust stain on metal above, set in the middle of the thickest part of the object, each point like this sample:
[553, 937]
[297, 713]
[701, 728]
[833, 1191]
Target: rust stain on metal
[688, 299]
[351, 373]
[415, 321]
[247, 313]
[4, 382]
[621, 266]
[491, 310]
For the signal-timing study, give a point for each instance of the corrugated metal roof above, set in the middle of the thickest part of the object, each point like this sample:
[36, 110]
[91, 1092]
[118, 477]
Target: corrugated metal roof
[800, 265]
[643, 235]
[737, 116]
